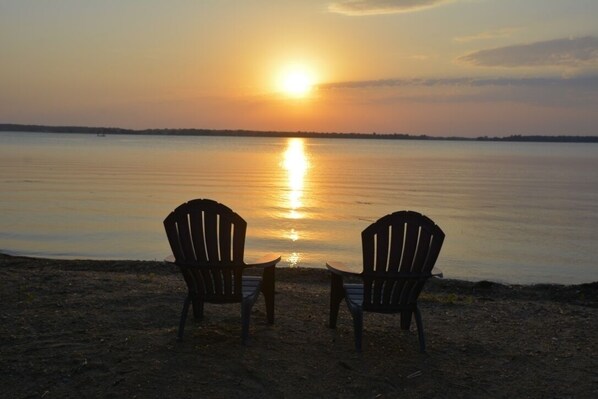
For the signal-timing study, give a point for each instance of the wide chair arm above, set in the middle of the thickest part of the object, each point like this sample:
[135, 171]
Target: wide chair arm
[268, 265]
[340, 269]
[265, 261]
[170, 259]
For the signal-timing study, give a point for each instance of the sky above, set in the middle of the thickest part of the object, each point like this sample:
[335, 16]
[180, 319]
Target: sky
[436, 67]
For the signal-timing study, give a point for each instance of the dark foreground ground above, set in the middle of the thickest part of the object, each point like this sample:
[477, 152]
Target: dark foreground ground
[107, 329]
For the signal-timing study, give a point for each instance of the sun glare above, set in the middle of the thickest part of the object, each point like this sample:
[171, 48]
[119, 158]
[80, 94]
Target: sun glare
[296, 82]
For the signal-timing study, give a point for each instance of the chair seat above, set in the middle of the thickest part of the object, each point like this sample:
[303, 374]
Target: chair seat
[251, 286]
[354, 294]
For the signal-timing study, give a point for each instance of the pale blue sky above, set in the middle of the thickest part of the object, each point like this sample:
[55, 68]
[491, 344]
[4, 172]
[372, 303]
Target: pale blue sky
[455, 67]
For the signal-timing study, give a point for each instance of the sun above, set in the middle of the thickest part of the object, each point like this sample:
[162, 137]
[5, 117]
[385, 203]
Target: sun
[296, 82]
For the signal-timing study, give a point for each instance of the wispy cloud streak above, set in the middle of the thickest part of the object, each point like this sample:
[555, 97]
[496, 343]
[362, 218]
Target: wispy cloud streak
[487, 35]
[586, 82]
[581, 92]
[378, 7]
[576, 52]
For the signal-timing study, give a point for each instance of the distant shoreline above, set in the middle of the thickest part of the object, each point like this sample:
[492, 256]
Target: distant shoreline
[302, 134]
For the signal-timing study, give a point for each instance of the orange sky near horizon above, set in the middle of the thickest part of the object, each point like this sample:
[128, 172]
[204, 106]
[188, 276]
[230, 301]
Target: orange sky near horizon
[450, 68]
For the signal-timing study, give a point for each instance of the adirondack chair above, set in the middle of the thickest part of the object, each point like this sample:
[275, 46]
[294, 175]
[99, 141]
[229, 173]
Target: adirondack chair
[208, 241]
[399, 253]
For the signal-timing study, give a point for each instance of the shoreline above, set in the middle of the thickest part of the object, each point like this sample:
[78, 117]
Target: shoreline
[585, 294]
[73, 328]
[157, 264]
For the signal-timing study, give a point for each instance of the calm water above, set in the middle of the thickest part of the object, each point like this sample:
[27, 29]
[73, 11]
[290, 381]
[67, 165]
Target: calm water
[512, 212]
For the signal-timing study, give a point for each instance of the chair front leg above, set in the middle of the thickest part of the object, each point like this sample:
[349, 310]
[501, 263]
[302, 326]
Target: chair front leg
[268, 291]
[337, 293]
[357, 327]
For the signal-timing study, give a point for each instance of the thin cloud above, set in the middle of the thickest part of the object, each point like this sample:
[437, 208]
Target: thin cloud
[590, 82]
[378, 7]
[487, 35]
[419, 57]
[577, 52]
[575, 92]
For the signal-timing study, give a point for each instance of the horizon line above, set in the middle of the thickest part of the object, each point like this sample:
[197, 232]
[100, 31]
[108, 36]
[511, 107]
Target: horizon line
[6, 127]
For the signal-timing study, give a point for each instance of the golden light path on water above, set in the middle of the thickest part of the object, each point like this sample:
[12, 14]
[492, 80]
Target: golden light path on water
[296, 165]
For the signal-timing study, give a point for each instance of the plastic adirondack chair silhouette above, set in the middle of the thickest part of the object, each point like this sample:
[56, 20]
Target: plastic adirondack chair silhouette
[399, 252]
[208, 241]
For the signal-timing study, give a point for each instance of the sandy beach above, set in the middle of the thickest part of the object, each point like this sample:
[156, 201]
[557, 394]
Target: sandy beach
[82, 328]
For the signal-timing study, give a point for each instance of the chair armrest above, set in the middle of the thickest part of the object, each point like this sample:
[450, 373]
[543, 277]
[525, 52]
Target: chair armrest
[265, 261]
[341, 269]
[268, 260]
[437, 273]
[170, 259]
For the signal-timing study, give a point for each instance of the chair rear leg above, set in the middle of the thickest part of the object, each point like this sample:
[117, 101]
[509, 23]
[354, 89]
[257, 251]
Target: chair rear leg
[420, 330]
[183, 318]
[406, 319]
[197, 308]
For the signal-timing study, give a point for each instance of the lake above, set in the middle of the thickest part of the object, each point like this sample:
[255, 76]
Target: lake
[511, 212]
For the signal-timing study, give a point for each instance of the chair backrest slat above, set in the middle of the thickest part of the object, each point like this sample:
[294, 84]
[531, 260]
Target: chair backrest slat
[199, 244]
[399, 252]
[225, 239]
[211, 234]
[396, 246]
[185, 240]
[208, 240]
[382, 254]
[173, 238]
[422, 249]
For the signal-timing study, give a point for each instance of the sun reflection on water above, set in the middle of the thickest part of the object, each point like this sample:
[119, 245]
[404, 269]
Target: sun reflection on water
[293, 235]
[296, 165]
[293, 259]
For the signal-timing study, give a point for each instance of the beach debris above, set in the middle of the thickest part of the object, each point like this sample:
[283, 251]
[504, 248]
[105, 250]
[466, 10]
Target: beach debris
[345, 365]
[418, 373]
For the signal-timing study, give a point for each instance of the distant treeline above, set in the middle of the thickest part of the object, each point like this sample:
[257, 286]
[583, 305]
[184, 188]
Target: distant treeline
[257, 133]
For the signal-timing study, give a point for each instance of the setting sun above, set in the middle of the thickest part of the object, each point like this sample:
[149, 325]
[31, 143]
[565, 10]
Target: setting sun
[296, 82]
